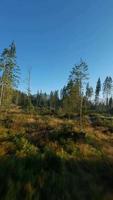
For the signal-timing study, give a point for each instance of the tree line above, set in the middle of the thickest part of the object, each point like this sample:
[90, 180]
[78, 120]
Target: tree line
[76, 97]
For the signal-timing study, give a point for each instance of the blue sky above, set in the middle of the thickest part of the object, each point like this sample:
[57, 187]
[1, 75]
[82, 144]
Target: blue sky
[52, 35]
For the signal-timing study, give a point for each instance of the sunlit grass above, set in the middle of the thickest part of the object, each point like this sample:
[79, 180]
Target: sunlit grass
[47, 158]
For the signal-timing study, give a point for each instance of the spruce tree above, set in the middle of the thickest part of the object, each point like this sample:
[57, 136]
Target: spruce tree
[97, 91]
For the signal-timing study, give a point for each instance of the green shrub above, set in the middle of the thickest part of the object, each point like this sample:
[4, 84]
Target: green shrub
[24, 147]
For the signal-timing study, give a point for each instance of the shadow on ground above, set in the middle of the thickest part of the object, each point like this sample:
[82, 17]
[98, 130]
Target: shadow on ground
[49, 177]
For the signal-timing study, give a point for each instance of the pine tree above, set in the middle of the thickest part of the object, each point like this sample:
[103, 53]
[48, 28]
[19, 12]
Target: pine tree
[107, 88]
[88, 96]
[71, 98]
[78, 76]
[10, 74]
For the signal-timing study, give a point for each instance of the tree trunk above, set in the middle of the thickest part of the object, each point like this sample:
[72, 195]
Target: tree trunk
[81, 108]
[1, 95]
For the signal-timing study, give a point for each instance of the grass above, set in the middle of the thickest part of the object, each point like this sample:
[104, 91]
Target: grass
[51, 177]
[43, 157]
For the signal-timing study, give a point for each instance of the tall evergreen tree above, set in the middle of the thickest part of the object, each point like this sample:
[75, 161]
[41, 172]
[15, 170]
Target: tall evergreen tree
[88, 96]
[97, 91]
[107, 88]
[89, 92]
[10, 74]
[29, 104]
[78, 76]
[54, 100]
[110, 103]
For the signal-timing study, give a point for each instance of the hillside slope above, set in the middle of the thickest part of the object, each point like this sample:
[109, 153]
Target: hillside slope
[43, 157]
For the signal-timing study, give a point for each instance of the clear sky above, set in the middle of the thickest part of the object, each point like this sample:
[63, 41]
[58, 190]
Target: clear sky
[52, 35]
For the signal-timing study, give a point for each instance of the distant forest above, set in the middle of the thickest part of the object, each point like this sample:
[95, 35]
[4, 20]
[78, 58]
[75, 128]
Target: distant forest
[77, 97]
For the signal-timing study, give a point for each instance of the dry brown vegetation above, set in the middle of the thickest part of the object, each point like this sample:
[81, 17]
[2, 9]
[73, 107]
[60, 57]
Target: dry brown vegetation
[54, 151]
